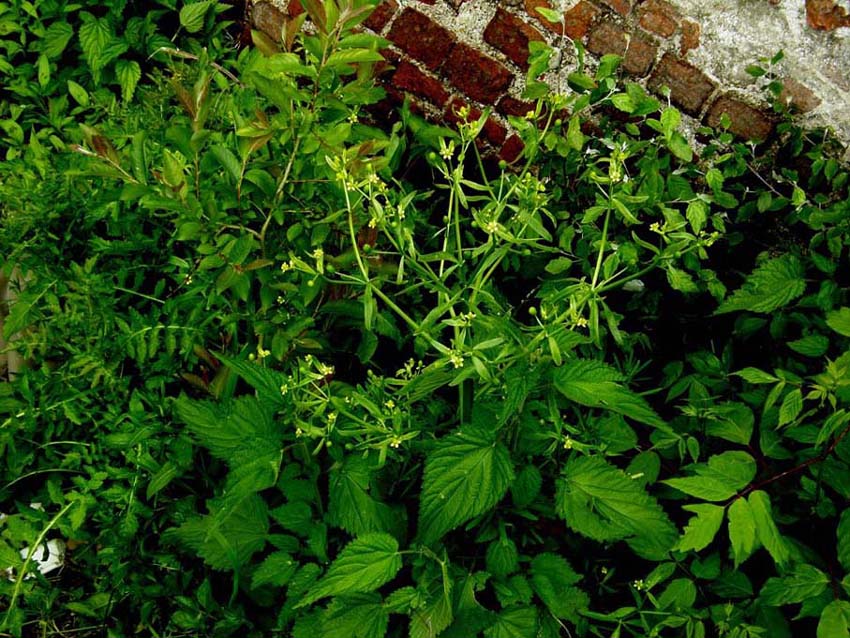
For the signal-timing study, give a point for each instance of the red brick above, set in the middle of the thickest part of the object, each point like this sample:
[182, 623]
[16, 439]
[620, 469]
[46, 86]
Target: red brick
[382, 14]
[690, 37]
[623, 7]
[659, 17]
[268, 19]
[422, 38]
[408, 78]
[531, 9]
[428, 1]
[578, 19]
[747, 121]
[638, 52]
[799, 97]
[511, 36]
[826, 15]
[294, 8]
[479, 76]
[511, 106]
[492, 131]
[511, 149]
[689, 87]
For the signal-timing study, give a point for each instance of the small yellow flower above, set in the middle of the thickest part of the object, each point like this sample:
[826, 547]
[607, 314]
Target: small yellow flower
[389, 404]
[456, 359]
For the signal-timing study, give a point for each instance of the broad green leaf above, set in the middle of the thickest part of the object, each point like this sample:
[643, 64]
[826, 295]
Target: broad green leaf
[128, 73]
[720, 478]
[791, 407]
[697, 214]
[349, 56]
[742, 530]
[355, 616]
[365, 564]
[56, 38]
[702, 528]
[810, 346]
[465, 476]
[774, 284]
[43, 66]
[681, 280]
[95, 35]
[679, 146]
[839, 320]
[835, 620]
[514, 622]
[731, 421]
[526, 486]
[844, 539]
[805, 581]
[267, 382]
[502, 557]
[679, 595]
[429, 620]
[349, 505]
[756, 376]
[602, 502]
[275, 570]
[597, 385]
[228, 160]
[192, 15]
[78, 93]
[766, 529]
[552, 579]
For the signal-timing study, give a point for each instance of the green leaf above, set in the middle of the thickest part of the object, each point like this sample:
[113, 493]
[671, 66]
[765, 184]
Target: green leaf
[810, 346]
[502, 557]
[465, 476]
[844, 539]
[95, 35]
[514, 622]
[265, 381]
[350, 506]
[526, 486]
[702, 528]
[742, 530]
[192, 15]
[805, 581]
[355, 616]
[720, 478]
[365, 564]
[597, 385]
[56, 38]
[623, 102]
[277, 569]
[766, 528]
[78, 93]
[552, 579]
[791, 407]
[429, 620]
[839, 320]
[835, 620]
[697, 215]
[679, 146]
[755, 376]
[731, 421]
[43, 65]
[774, 284]
[602, 502]
[681, 280]
[128, 73]
[228, 160]
[349, 56]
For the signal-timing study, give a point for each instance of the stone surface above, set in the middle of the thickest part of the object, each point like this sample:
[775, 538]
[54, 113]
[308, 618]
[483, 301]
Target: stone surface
[689, 87]
[577, 19]
[799, 97]
[607, 38]
[422, 38]
[479, 76]
[408, 78]
[623, 7]
[660, 17]
[640, 55]
[511, 36]
[638, 52]
[690, 37]
[826, 15]
[748, 122]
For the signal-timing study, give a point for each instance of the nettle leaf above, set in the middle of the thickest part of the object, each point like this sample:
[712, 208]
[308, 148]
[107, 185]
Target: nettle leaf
[526, 486]
[128, 73]
[791, 407]
[95, 35]
[552, 579]
[742, 530]
[265, 381]
[835, 620]
[192, 15]
[429, 620]
[277, 569]
[810, 346]
[766, 528]
[465, 476]
[732, 421]
[514, 622]
[602, 502]
[597, 385]
[805, 581]
[720, 479]
[350, 506]
[774, 284]
[56, 38]
[355, 616]
[365, 564]
[839, 320]
[844, 539]
[502, 557]
[702, 528]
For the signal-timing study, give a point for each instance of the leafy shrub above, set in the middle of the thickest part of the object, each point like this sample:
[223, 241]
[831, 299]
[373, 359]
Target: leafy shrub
[279, 389]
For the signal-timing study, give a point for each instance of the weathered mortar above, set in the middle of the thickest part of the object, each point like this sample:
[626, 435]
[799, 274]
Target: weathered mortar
[450, 52]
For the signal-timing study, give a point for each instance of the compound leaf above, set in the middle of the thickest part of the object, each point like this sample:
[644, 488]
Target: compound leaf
[766, 528]
[742, 530]
[720, 478]
[702, 528]
[804, 582]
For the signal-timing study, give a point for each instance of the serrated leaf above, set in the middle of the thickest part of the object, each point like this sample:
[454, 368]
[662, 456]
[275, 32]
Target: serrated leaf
[766, 529]
[552, 578]
[277, 569]
[600, 501]
[681, 280]
[839, 320]
[349, 505]
[742, 530]
[355, 616]
[791, 407]
[526, 486]
[843, 533]
[835, 620]
[720, 478]
[755, 376]
[810, 346]
[514, 622]
[697, 214]
[429, 620]
[774, 284]
[702, 528]
[128, 73]
[465, 476]
[192, 15]
[56, 38]
[597, 385]
[502, 557]
[805, 581]
[679, 146]
[365, 564]
[731, 421]
[95, 34]
[265, 381]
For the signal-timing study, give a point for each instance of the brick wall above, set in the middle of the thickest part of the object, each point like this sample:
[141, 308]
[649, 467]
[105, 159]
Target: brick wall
[449, 53]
